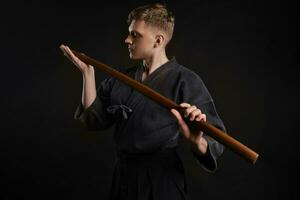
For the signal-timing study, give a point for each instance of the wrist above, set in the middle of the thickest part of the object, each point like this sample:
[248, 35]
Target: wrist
[200, 147]
[88, 71]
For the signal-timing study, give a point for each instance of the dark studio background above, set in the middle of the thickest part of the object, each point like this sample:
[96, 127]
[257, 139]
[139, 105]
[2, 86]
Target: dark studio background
[244, 51]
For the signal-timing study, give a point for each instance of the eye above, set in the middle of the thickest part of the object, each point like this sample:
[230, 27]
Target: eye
[133, 34]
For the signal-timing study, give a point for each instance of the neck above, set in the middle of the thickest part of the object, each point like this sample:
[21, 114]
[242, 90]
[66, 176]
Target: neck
[155, 61]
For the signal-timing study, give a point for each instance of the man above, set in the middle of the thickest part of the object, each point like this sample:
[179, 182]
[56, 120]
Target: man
[147, 134]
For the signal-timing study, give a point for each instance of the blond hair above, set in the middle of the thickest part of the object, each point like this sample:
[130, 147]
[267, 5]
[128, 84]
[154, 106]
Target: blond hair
[155, 15]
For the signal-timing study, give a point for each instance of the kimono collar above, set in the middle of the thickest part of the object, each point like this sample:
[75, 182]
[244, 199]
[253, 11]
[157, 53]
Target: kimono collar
[169, 62]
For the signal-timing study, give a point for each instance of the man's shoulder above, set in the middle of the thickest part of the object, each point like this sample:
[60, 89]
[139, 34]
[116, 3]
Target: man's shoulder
[186, 73]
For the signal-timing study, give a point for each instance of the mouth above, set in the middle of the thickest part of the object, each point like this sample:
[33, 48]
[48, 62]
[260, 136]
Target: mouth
[130, 49]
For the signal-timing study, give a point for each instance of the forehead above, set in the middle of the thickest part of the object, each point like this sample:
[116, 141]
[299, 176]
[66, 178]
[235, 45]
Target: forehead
[139, 26]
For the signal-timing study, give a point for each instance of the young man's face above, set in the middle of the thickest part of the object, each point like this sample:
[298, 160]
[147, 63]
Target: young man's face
[141, 40]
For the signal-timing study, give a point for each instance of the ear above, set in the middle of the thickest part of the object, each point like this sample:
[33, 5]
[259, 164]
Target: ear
[159, 40]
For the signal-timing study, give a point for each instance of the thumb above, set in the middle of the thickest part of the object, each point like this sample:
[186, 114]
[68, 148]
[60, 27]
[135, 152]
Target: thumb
[184, 127]
[176, 114]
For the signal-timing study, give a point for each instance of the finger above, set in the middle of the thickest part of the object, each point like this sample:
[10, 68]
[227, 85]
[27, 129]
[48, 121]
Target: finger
[71, 53]
[189, 110]
[204, 117]
[184, 127]
[62, 47]
[185, 105]
[194, 114]
[74, 58]
[66, 52]
[201, 117]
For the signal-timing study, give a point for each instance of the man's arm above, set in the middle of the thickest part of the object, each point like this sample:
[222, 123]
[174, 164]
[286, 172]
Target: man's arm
[204, 148]
[196, 139]
[88, 74]
[92, 109]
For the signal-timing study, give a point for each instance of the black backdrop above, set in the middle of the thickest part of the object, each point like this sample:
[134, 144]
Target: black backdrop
[243, 50]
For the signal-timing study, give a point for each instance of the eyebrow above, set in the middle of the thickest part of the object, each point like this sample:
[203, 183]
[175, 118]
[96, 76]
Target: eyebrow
[134, 31]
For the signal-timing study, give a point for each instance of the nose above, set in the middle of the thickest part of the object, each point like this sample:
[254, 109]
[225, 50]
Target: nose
[128, 40]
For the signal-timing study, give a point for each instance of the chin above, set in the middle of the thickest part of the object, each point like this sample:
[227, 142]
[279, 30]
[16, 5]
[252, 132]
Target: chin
[134, 57]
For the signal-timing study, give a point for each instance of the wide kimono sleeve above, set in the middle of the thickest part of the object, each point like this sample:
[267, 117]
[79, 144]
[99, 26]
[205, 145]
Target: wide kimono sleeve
[96, 117]
[195, 93]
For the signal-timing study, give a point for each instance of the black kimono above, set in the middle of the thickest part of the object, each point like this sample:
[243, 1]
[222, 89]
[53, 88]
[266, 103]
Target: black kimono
[146, 134]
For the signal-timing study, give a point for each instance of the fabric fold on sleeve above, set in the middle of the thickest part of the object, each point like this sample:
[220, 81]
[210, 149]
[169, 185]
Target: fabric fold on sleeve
[96, 117]
[195, 93]
[215, 149]
[209, 160]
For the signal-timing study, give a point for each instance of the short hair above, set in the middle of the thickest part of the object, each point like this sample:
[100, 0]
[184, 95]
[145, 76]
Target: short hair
[156, 15]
